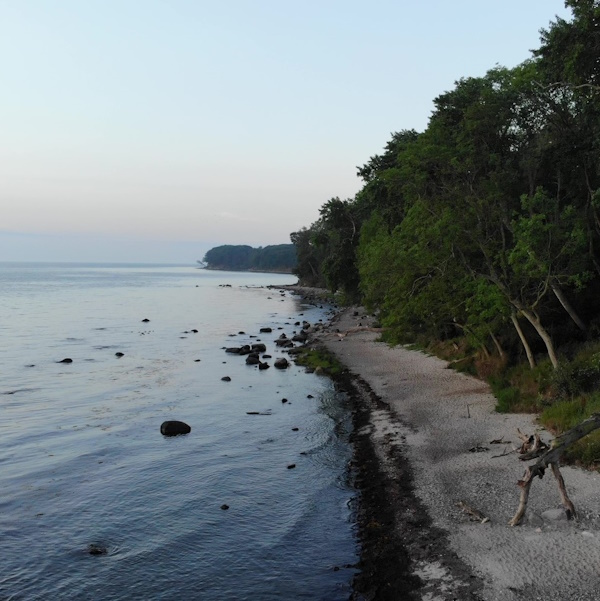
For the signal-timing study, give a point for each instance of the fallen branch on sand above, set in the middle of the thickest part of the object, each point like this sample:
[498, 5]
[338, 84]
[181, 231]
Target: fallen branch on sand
[533, 447]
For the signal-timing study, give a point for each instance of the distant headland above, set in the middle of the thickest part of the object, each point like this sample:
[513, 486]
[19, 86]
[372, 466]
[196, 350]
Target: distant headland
[278, 258]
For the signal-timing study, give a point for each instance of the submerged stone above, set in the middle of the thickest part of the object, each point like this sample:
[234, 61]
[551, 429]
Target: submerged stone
[95, 549]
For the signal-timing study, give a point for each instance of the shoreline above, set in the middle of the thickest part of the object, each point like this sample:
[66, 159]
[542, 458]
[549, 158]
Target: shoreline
[423, 444]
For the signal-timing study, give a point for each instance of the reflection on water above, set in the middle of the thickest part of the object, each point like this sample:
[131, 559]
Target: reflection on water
[83, 461]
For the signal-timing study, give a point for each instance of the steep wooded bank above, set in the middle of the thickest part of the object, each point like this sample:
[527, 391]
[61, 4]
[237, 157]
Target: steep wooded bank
[481, 234]
[278, 258]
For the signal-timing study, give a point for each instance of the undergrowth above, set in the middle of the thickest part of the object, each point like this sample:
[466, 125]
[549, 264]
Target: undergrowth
[320, 360]
[561, 397]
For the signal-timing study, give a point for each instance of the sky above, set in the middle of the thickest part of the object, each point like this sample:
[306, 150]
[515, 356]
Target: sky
[153, 130]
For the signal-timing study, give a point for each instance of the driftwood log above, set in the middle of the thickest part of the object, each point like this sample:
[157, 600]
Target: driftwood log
[533, 447]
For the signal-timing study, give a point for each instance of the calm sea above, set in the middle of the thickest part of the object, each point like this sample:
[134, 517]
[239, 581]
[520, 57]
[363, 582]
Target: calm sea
[82, 461]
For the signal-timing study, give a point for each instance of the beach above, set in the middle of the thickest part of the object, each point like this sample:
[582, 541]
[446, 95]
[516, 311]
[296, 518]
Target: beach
[438, 453]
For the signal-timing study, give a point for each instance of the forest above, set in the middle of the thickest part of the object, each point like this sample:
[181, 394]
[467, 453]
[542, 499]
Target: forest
[479, 238]
[280, 258]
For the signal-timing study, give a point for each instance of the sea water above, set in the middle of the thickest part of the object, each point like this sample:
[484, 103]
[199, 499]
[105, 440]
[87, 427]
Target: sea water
[83, 463]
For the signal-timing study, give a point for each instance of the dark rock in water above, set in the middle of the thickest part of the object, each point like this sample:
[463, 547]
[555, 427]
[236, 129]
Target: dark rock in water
[266, 356]
[291, 466]
[259, 347]
[266, 330]
[66, 360]
[300, 337]
[119, 355]
[224, 507]
[145, 320]
[30, 365]
[197, 360]
[263, 366]
[234, 350]
[241, 332]
[252, 359]
[310, 396]
[194, 331]
[94, 549]
[295, 429]
[282, 336]
[226, 379]
[281, 363]
[284, 400]
[245, 350]
[174, 428]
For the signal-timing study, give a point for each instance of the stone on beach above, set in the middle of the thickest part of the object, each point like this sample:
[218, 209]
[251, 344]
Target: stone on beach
[281, 363]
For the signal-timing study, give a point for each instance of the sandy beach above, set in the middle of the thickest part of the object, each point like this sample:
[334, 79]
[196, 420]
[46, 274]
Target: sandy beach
[431, 429]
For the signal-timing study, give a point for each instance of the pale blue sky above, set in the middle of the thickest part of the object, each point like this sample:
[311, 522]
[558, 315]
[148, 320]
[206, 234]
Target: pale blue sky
[151, 130]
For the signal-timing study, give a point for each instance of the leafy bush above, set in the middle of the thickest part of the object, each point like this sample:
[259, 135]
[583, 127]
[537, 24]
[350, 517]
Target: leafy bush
[579, 376]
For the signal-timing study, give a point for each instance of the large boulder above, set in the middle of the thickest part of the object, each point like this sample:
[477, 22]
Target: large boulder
[252, 359]
[281, 363]
[174, 428]
[259, 347]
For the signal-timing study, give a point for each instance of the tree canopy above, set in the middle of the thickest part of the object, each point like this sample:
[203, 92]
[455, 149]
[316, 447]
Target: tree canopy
[487, 224]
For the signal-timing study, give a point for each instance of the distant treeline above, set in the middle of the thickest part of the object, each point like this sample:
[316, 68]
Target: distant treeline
[278, 258]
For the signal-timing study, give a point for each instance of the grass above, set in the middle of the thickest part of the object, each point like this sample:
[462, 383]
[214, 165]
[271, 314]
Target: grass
[562, 398]
[320, 360]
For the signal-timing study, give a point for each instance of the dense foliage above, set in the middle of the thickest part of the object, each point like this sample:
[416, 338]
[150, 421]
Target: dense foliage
[279, 258]
[486, 226]
[480, 236]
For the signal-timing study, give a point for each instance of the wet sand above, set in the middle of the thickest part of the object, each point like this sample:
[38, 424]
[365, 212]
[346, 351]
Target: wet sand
[423, 446]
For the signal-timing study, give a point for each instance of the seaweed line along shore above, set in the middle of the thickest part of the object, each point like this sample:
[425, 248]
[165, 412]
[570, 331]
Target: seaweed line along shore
[438, 488]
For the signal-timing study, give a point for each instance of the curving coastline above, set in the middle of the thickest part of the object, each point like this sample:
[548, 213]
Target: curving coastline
[423, 445]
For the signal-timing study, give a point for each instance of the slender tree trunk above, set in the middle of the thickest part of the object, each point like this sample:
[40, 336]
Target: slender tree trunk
[564, 301]
[534, 320]
[524, 342]
[497, 345]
